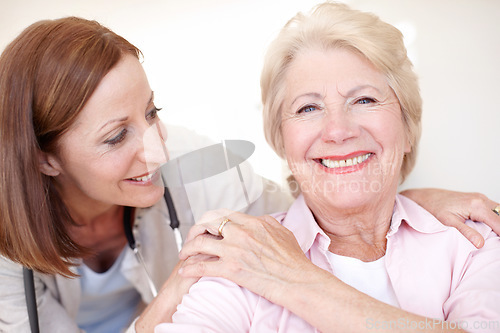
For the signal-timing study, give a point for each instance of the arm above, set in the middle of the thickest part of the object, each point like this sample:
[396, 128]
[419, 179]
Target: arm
[264, 257]
[454, 208]
[475, 300]
[163, 306]
[53, 317]
[213, 305]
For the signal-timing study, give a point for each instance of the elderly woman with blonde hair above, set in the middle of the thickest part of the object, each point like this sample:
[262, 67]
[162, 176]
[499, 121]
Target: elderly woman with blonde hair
[342, 106]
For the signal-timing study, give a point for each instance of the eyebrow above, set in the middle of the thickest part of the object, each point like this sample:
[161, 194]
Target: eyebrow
[311, 94]
[350, 92]
[151, 98]
[358, 88]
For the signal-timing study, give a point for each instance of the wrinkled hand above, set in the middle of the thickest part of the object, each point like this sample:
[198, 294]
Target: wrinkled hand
[454, 208]
[257, 253]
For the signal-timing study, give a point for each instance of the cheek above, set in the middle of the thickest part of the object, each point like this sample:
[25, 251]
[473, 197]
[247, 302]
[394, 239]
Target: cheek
[298, 137]
[387, 128]
[111, 167]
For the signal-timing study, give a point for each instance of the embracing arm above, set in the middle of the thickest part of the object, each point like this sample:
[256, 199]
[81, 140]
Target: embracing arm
[271, 265]
[163, 306]
[454, 208]
[264, 257]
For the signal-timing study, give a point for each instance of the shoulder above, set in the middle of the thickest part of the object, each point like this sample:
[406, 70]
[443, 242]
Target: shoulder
[235, 307]
[423, 221]
[415, 229]
[9, 269]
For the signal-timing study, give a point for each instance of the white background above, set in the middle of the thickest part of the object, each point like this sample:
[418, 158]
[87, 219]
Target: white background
[203, 59]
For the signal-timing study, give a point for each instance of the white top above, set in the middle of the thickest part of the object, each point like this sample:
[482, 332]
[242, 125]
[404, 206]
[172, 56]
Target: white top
[108, 302]
[370, 278]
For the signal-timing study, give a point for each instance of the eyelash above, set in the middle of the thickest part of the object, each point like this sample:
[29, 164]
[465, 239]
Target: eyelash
[308, 106]
[369, 99]
[152, 115]
[117, 139]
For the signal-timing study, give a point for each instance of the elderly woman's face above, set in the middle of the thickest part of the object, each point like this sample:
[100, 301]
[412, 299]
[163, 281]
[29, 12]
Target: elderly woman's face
[342, 129]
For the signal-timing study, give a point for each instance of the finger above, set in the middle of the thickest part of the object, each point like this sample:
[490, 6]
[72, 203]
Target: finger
[214, 215]
[197, 258]
[192, 261]
[482, 212]
[201, 268]
[209, 223]
[470, 233]
[271, 221]
[206, 244]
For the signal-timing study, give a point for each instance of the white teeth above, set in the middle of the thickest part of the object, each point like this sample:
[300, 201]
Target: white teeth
[143, 179]
[348, 162]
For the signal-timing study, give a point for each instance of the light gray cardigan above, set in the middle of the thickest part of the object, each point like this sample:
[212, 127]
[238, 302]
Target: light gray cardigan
[58, 298]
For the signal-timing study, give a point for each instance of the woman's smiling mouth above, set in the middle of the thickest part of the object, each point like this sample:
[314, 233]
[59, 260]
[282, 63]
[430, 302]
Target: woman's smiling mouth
[344, 164]
[145, 178]
[339, 163]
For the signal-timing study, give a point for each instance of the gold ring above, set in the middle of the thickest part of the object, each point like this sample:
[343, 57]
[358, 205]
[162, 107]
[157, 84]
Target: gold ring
[222, 224]
[497, 210]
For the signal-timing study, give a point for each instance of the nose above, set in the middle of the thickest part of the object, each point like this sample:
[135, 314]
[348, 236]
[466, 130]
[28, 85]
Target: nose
[153, 151]
[339, 125]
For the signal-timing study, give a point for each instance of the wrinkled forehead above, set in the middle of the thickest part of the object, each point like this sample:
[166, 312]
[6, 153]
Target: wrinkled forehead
[333, 70]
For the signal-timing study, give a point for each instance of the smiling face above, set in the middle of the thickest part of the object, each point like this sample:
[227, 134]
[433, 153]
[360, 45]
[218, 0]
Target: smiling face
[342, 129]
[103, 159]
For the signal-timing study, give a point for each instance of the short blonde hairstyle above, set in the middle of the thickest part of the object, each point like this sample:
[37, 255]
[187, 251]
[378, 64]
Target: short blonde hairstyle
[334, 25]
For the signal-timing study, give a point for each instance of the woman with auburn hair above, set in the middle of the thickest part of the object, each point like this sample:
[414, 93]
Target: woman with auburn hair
[342, 106]
[77, 186]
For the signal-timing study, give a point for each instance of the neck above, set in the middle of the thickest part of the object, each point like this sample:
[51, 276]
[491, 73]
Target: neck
[89, 218]
[102, 234]
[359, 233]
[98, 231]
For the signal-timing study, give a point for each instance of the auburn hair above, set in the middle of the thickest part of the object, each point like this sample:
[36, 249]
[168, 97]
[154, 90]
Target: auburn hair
[47, 74]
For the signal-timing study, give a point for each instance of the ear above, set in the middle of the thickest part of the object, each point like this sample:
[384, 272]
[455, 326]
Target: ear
[49, 165]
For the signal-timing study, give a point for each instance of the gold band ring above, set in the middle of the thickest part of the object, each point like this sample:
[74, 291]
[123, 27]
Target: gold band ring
[222, 224]
[497, 210]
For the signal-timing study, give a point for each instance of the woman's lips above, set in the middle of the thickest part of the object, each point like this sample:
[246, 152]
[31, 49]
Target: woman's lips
[144, 178]
[344, 164]
[339, 163]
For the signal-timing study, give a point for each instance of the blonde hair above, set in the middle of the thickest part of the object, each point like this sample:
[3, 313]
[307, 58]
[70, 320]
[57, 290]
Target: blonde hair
[334, 25]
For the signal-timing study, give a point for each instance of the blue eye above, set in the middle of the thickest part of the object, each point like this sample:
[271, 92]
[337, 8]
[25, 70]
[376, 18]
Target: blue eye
[117, 139]
[365, 100]
[308, 108]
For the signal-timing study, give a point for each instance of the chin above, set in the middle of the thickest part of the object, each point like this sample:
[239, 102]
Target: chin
[346, 197]
[144, 200]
